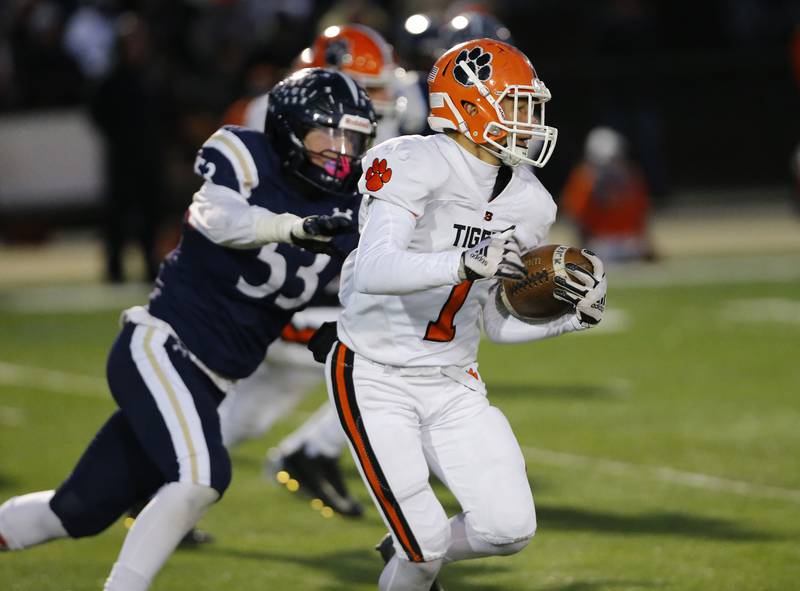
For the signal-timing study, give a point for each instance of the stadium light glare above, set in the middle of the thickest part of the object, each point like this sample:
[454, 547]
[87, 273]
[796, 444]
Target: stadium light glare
[417, 24]
[459, 22]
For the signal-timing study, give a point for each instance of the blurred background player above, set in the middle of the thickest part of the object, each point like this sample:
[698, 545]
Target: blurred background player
[310, 455]
[607, 197]
[363, 54]
[260, 239]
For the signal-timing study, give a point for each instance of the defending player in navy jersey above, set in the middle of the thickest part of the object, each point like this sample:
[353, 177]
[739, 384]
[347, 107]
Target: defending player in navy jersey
[263, 235]
[309, 455]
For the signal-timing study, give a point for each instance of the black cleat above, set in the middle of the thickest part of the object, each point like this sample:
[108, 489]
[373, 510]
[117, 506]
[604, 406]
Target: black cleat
[317, 476]
[386, 549]
[195, 537]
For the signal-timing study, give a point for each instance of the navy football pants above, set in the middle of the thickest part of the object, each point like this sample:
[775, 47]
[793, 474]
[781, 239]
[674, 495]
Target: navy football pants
[166, 430]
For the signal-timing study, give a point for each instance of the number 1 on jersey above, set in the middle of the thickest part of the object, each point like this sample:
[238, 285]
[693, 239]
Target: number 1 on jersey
[443, 329]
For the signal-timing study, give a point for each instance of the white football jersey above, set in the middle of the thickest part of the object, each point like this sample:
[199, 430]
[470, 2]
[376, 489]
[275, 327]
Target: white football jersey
[446, 189]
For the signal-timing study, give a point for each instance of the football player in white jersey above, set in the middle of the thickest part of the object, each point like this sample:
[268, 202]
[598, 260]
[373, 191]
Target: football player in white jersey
[443, 218]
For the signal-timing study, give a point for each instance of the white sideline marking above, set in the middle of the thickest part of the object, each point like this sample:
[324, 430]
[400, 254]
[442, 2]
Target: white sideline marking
[11, 416]
[688, 272]
[615, 320]
[73, 298]
[91, 387]
[663, 473]
[782, 310]
[672, 272]
[50, 380]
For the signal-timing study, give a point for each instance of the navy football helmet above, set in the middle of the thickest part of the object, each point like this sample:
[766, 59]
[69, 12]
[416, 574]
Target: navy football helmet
[320, 123]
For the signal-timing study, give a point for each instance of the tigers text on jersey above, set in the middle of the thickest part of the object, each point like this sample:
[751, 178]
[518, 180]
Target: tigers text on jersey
[448, 191]
[227, 304]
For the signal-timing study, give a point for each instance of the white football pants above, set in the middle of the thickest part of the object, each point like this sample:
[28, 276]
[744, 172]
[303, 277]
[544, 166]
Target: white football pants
[401, 422]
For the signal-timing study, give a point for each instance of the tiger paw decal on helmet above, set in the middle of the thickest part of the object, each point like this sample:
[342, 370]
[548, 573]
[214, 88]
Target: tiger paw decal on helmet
[378, 175]
[478, 61]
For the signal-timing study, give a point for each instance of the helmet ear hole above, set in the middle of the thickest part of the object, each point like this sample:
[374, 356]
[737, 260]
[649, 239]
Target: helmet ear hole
[470, 108]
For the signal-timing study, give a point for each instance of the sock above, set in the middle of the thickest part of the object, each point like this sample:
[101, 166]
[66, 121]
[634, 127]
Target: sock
[322, 435]
[465, 543]
[172, 512]
[258, 401]
[28, 520]
[402, 575]
[123, 578]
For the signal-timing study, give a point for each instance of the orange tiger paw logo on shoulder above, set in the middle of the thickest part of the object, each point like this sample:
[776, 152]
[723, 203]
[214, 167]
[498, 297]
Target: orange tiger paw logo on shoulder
[378, 175]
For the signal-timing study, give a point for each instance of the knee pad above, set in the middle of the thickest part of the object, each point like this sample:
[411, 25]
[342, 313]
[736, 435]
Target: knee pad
[506, 526]
[512, 548]
[185, 501]
[427, 523]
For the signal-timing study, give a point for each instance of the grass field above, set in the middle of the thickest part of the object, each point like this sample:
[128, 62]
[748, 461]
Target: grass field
[663, 451]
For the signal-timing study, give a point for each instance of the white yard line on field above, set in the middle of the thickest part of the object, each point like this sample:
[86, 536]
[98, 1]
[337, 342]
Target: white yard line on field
[675, 272]
[50, 380]
[11, 416]
[88, 386]
[689, 272]
[79, 298]
[761, 310]
[662, 473]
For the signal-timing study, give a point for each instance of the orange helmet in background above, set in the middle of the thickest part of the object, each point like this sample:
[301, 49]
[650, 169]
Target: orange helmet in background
[361, 53]
[482, 73]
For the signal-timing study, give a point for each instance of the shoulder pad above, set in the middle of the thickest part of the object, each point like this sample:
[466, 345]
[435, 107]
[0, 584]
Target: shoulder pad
[403, 171]
[229, 158]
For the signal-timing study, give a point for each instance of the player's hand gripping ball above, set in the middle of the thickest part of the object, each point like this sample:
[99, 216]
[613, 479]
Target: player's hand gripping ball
[559, 279]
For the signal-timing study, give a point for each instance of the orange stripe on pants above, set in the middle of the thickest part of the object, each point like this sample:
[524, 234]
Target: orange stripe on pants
[350, 426]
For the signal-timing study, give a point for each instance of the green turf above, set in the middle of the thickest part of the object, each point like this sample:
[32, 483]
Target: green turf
[683, 387]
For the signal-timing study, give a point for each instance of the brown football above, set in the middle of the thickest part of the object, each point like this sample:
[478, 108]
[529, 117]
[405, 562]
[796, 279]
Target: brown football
[532, 297]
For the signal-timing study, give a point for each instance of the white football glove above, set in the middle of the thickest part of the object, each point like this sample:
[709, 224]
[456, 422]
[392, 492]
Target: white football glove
[495, 256]
[584, 290]
[312, 232]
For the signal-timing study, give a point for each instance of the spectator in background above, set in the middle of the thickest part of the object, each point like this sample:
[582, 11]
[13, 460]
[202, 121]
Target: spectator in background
[127, 108]
[794, 50]
[89, 37]
[796, 176]
[45, 74]
[607, 197]
[6, 76]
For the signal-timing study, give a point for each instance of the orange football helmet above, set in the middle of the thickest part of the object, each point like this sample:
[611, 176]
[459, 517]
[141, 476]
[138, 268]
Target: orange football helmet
[466, 88]
[361, 53]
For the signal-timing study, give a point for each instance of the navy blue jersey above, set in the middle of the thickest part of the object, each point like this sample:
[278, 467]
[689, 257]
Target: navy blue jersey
[227, 305]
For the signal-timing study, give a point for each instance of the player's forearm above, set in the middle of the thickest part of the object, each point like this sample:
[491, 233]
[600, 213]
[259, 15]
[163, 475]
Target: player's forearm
[225, 218]
[383, 264]
[394, 272]
[501, 327]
